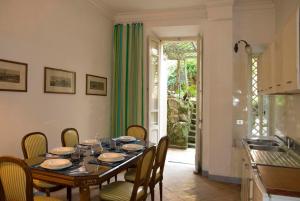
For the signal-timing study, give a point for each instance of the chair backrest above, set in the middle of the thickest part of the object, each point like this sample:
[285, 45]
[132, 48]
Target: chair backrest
[143, 172]
[137, 131]
[16, 180]
[69, 137]
[34, 144]
[160, 158]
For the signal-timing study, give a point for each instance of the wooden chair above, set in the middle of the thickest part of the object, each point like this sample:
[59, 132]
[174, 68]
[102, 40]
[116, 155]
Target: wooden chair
[69, 137]
[35, 144]
[137, 131]
[127, 191]
[158, 168]
[16, 181]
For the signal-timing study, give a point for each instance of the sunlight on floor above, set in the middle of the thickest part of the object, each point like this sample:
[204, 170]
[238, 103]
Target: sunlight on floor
[184, 156]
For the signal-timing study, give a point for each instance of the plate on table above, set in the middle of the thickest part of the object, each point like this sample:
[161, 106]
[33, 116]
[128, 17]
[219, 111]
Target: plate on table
[111, 157]
[132, 147]
[62, 150]
[127, 138]
[56, 164]
[90, 142]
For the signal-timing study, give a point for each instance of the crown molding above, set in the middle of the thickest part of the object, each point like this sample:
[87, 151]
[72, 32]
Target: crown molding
[219, 3]
[243, 5]
[165, 14]
[104, 9]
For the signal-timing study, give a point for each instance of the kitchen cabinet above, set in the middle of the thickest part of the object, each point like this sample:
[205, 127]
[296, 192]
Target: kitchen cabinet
[246, 182]
[290, 53]
[279, 70]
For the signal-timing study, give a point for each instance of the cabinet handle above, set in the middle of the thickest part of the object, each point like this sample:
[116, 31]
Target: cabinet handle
[289, 82]
[270, 87]
[278, 85]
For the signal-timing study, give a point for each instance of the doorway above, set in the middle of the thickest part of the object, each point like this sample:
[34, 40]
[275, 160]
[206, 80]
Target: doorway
[174, 104]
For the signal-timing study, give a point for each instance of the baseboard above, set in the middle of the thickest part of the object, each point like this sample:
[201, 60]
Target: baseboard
[231, 180]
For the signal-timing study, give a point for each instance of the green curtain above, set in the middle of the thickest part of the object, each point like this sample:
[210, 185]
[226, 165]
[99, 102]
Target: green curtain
[128, 79]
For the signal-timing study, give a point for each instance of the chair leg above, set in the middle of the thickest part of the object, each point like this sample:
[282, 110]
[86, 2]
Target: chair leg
[160, 190]
[47, 193]
[108, 181]
[152, 192]
[116, 177]
[69, 193]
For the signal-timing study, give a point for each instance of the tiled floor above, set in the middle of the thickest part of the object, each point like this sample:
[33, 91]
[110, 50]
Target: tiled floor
[181, 184]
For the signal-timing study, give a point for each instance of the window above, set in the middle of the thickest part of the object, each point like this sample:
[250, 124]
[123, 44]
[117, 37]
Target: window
[258, 104]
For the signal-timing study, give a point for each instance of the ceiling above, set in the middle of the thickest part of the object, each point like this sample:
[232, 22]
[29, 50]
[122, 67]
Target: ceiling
[142, 5]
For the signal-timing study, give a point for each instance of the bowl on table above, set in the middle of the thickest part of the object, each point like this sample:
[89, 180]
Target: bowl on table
[56, 164]
[62, 150]
[111, 157]
[127, 138]
[132, 147]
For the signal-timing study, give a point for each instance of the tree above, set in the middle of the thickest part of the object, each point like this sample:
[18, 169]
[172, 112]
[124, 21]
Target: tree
[185, 53]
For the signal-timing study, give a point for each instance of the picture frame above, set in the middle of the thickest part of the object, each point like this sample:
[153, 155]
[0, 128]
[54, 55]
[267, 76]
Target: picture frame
[13, 76]
[96, 85]
[59, 81]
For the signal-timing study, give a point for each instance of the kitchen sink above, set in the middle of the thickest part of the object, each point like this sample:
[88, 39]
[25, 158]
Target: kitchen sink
[266, 148]
[264, 143]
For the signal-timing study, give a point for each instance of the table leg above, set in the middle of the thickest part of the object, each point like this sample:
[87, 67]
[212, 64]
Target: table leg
[84, 193]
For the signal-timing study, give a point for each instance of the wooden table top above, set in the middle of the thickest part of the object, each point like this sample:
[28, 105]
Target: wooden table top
[280, 180]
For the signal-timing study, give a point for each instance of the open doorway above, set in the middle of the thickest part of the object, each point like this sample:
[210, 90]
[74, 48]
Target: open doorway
[175, 97]
[179, 61]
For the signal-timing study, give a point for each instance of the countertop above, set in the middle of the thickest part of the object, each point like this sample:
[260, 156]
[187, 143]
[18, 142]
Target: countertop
[280, 180]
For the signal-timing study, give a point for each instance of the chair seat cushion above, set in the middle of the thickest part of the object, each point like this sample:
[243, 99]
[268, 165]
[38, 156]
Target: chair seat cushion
[44, 198]
[119, 191]
[42, 184]
[130, 175]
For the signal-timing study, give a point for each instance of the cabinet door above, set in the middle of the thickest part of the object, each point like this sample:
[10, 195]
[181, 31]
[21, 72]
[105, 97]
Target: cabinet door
[277, 72]
[290, 53]
[257, 194]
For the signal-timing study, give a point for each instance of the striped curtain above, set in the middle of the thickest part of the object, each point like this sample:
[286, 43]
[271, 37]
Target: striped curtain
[128, 79]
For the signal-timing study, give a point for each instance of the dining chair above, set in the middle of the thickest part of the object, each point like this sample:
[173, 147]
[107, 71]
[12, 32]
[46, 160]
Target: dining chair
[127, 191]
[158, 168]
[16, 181]
[35, 144]
[137, 131]
[69, 137]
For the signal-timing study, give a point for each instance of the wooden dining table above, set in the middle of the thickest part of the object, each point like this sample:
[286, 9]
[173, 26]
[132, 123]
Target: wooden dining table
[96, 172]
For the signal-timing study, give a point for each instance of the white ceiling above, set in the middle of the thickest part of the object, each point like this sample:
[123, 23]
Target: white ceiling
[142, 5]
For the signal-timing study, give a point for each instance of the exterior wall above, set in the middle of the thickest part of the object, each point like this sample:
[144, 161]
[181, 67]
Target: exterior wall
[69, 34]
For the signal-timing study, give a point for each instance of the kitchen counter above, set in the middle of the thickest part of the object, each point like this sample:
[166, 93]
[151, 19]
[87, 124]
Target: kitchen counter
[280, 180]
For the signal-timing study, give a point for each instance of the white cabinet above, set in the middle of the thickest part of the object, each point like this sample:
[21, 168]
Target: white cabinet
[290, 53]
[279, 66]
[246, 183]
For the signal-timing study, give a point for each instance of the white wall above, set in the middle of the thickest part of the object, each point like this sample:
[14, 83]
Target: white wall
[68, 34]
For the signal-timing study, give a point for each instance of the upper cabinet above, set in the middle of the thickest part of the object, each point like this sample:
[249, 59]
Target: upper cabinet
[279, 63]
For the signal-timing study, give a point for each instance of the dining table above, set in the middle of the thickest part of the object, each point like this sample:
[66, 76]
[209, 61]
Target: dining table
[88, 170]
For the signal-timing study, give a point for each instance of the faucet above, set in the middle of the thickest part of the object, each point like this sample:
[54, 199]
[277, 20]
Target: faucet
[290, 143]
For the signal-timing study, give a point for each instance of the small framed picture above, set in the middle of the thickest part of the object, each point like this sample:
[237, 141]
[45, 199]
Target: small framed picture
[59, 81]
[96, 85]
[13, 76]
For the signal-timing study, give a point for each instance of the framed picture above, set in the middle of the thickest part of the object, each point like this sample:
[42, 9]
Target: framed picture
[59, 81]
[13, 76]
[96, 85]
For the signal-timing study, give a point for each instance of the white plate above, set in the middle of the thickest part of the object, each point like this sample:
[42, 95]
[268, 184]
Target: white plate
[111, 157]
[132, 147]
[90, 142]
[56, 164]
[127, 138]
[62, 150]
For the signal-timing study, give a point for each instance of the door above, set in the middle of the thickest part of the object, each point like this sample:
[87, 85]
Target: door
[154, 52]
